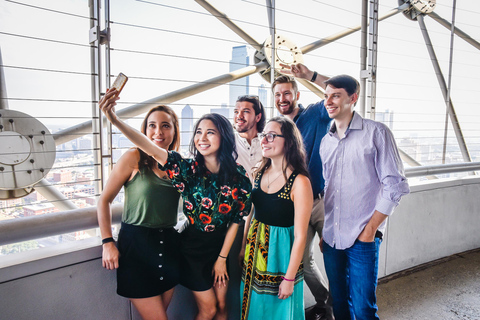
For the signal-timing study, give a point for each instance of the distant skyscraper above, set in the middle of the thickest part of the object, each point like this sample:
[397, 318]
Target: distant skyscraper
[186, 128]
[262, 95]
[240, 59]
[224, 110]
[385, 117]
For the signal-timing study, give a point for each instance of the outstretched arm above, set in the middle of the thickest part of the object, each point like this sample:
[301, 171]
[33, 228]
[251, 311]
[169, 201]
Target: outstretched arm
[301, 71]
[107, 105]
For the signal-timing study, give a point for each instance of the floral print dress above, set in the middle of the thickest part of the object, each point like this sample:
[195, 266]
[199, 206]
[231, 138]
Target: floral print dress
[210, 206]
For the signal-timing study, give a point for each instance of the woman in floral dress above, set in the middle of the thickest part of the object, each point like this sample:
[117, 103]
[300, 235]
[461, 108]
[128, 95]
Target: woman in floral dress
[272, 278]
[216, 195]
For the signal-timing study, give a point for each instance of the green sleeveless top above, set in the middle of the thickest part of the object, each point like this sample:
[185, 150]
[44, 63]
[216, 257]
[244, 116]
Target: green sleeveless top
[150, 201]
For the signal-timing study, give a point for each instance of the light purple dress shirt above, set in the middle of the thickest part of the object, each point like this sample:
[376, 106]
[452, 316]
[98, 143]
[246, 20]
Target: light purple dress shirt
[363, 172]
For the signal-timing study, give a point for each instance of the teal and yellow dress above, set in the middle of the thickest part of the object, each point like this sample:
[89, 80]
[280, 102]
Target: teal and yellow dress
[267, 255]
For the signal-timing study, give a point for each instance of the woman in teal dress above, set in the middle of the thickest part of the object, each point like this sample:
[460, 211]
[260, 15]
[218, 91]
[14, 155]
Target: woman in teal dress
[272, 277]
[216, 194]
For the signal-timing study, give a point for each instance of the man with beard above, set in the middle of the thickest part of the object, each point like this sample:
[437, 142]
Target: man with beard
[312, 122]
[248, 121]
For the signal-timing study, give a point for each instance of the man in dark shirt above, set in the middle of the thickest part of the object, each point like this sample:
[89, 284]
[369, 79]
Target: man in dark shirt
[313, 123]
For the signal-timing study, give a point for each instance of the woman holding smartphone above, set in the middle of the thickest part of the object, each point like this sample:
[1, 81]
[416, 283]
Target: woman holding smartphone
[272, 278]
[216, 194]
[146, 259]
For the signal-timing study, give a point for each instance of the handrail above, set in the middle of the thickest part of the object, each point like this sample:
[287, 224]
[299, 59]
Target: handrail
[41, 226]
[441, 169]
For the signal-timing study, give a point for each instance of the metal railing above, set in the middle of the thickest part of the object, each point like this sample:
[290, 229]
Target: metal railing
[441, 169]
[41, 226]
[30, 228]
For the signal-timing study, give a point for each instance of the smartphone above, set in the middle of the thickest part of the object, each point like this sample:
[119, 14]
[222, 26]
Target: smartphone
[120, 82]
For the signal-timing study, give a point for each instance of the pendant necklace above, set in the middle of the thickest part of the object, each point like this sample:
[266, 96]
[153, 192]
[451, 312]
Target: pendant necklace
[268, 180]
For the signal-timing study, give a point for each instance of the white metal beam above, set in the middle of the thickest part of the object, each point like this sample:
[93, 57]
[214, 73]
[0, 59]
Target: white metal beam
[230, 24]
[457, 31]
[320, 43]
[139, 108]
[443, 86]
[52, 194]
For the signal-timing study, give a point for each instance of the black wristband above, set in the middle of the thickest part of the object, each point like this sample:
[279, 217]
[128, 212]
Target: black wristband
[314, 77]
[107, 240]
[222, 257]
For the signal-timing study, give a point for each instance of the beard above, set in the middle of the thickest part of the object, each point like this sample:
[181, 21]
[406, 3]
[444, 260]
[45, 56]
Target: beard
[245, 127]
[287, 110]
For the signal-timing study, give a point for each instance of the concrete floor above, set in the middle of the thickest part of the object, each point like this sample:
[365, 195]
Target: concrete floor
[448, 290]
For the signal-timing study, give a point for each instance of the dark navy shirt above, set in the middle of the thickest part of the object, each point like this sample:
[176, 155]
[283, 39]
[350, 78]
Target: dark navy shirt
[313, 123]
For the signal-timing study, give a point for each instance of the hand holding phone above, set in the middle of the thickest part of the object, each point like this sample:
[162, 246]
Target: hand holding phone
[107, 105]
[120, 82]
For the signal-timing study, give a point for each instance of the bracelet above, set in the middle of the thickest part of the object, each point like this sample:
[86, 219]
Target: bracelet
[283, 278]
[314, 77]
[107, 240]
[222, 257]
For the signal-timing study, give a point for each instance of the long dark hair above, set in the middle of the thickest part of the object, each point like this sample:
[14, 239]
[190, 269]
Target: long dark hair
[145, 159]
[227, 152]
[294, 150]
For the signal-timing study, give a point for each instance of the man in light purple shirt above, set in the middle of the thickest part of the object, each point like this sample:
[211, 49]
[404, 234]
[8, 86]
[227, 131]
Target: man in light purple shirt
[364, 182]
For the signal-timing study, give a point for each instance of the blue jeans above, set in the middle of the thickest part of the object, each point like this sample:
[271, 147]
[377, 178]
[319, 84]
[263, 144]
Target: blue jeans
[352, 274]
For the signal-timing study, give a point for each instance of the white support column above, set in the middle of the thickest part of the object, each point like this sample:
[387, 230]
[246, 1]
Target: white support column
[105, 40]
[449, 85]
[271, 16]
[95, 61]
[363, 59]
[372, 58]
